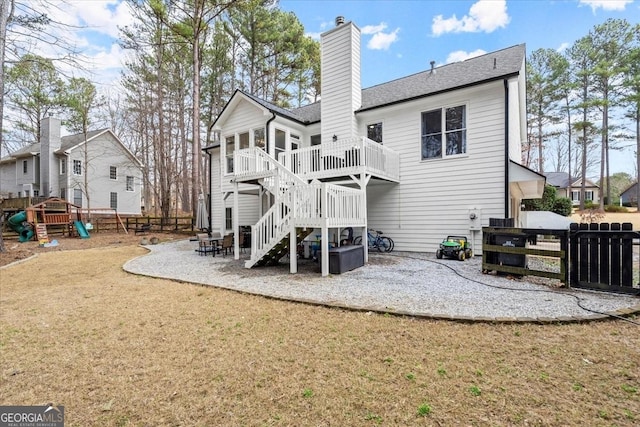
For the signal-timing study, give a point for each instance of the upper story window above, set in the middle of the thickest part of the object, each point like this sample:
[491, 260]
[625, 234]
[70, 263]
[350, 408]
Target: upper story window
[77, 167]
[316, 140]
[230, 145]
[129, 183]
[444, 131]
[113, 172]
[63, 166]
[25, 167]
[374, 132]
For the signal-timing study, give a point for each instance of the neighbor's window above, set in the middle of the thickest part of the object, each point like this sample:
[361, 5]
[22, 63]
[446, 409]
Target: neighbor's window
[444, 131]
[113, 200]
[36, 193]
[129, 183]
[228, 218]
[113, 172]
[77, 167]
[77, 197]
[575, 195]
[63, 166]
[230, 145]
[25, 167]
[63, 193]
[316, 140]
[374, 132]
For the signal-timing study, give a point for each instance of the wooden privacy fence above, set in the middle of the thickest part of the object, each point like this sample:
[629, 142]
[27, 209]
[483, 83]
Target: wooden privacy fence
[602, 257]
[504, 249]
[592, 256]
[173, 224]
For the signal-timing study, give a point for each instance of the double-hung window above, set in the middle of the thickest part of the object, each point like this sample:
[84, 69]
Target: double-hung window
[113, 200]
[63, 166]
[129, 183]
[77, 167]
[230, 145]
[374, 132]
[113, 172]
[444, 132]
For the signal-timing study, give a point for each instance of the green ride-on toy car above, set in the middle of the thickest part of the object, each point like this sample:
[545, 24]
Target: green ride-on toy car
[454, 247]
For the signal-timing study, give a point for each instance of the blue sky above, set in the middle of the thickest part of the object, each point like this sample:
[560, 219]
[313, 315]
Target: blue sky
[399, 37]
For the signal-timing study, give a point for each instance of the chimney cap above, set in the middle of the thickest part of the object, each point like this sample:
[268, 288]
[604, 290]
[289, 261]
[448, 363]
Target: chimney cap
[339, 20]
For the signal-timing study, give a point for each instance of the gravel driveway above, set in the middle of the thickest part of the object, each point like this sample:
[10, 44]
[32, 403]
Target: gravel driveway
[403, 283]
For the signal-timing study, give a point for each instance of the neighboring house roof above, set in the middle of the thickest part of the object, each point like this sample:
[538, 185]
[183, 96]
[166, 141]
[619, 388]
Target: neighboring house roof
[561, 180]
[67, 143]
[71, 141]
[558, 179]
[473, 71]
[630, 189]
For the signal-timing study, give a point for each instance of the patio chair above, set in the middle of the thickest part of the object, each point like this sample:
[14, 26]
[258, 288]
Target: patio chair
[227, 244]
[205, 244]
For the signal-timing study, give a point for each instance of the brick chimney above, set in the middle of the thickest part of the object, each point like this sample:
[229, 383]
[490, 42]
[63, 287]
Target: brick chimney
[49, 143]
[341, 89]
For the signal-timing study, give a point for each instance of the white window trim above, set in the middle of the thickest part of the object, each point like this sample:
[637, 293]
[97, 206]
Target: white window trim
[74, 167]
[381, 122]
[225, 169]
[116, 170]
[443, 108]
[133, 184]
[63, 169]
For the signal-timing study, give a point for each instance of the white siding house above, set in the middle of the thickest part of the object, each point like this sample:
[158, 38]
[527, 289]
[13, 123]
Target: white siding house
[57, 167]
[421, 157]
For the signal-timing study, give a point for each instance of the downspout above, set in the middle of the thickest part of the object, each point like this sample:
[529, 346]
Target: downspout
[266, 132]
[506, 148]
[210, 185]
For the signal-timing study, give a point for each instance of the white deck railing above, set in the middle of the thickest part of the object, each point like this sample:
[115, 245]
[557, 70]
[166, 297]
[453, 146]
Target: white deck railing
[341, 158]
[297, 203]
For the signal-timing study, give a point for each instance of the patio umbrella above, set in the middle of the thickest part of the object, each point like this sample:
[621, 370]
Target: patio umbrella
[202, 217]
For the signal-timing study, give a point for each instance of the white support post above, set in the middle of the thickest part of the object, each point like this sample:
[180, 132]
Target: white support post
[324, 233]
[293, 251]
[234, 220]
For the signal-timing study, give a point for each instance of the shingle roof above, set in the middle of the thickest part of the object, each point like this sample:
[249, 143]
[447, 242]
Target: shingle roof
[488, 67]
[66, 142]
[558, 179]
[71, 141]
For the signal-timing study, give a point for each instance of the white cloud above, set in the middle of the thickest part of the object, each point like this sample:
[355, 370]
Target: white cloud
[373, 29]
[461, 55]
[484, 16]
[315, 36]
[564, 46]
[379, 39]
[606, 4]
[382, 41]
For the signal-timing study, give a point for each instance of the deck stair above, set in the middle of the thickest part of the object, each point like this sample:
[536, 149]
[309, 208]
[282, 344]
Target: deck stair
[299, 205]
[281, 249]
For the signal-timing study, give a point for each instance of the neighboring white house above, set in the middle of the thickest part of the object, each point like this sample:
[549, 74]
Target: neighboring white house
[56, 167]
[432, 154]
[560, 180]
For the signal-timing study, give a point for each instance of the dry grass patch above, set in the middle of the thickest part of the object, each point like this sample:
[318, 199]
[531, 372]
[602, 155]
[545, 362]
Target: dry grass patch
[117, 350]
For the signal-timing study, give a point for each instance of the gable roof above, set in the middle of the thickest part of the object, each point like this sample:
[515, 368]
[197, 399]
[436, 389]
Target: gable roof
[67, 143]
[481, 69]
[561, 180]
[473, 71]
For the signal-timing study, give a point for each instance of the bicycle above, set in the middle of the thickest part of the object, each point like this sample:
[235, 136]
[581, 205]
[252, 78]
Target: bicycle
[376, 241]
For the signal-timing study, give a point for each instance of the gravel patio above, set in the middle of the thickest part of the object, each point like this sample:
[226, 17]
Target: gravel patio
[415, 284]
